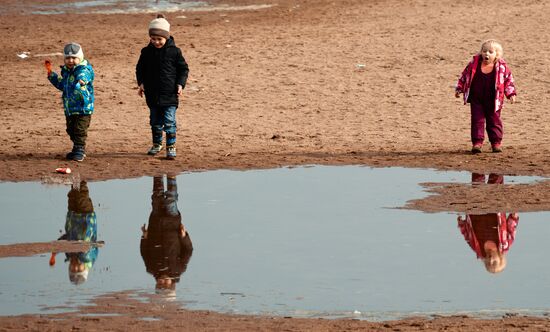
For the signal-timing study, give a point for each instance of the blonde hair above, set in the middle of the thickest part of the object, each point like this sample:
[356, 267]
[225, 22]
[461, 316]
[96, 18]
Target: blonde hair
[495, 267]
[496, 46]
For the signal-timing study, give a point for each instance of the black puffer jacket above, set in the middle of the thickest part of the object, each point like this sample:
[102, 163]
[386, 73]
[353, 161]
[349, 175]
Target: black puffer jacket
[161, 70]
[164, 251]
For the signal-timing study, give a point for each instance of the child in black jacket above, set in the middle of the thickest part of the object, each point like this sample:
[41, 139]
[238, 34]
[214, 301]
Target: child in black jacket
[161, 74]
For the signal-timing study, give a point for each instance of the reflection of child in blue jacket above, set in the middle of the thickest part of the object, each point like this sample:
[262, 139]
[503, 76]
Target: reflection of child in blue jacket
[80, 225]
[165, 245]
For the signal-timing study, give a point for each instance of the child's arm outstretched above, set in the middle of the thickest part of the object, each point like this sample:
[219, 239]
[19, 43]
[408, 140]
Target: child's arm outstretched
[56, 80]
[85, 75]
[48, 65]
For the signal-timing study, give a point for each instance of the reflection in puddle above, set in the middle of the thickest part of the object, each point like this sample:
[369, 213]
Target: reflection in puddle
[302, 242]
[80, 225]
[490, 235]
[95, 314]
[123, 7]
[150, 319]
[165, 243]
[111, 7]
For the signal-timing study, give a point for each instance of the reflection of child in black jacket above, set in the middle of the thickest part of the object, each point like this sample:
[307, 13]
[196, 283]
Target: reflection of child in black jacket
[165, 245]
[80, 225]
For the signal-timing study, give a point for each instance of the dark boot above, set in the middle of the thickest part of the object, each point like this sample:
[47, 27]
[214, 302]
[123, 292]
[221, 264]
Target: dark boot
[70, 155]
[78, 153]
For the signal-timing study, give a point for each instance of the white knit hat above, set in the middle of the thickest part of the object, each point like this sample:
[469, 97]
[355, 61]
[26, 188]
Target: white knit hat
[73, 50]
[159, 27]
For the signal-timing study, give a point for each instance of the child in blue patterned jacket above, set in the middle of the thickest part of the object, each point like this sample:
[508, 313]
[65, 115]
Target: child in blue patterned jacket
[76, 82]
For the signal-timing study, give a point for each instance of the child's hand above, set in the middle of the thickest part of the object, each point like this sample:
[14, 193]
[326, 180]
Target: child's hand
[513, 99]
[180, 90]
[79, 84]
[140, 90]
[457, 94]
[144, 231]
[183, 231]
[48, 65]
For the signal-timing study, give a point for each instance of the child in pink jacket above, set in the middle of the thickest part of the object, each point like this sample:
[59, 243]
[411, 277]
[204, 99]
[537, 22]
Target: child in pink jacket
[484, 83]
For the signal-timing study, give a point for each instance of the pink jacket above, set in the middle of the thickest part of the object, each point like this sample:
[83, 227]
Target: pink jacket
[506, 232]
[504, 81]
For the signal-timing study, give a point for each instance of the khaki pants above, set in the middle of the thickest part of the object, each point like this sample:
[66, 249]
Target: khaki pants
[77, 128]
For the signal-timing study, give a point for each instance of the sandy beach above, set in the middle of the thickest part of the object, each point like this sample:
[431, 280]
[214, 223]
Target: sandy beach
[296, 83]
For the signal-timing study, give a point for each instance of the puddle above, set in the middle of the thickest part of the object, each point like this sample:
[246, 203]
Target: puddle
[302, 242]
[99, 315]
[151, 319]
[104, 7]
[122, 7]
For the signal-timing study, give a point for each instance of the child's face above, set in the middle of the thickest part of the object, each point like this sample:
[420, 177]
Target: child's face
[489, 54]
[164, 282]
[71, 61]
[494, 261]
[76, 266]
[158, 41]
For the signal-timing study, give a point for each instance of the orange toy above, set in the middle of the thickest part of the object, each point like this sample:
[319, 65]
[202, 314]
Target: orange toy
[48, 65]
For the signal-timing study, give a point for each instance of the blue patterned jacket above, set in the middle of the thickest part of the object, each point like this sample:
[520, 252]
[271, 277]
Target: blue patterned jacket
[77, 99]
[82, 226]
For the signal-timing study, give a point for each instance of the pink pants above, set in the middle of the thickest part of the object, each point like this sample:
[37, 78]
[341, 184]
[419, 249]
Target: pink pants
[480, 115]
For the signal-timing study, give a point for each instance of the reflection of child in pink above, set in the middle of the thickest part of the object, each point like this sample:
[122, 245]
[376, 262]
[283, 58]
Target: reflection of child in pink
[489, 235]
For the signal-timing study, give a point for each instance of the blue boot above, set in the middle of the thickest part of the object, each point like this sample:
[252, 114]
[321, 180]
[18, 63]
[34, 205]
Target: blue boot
[69, 156]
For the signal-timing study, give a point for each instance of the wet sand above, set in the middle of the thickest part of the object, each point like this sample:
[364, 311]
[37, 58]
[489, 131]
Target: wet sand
[165, 316]
[303, 82]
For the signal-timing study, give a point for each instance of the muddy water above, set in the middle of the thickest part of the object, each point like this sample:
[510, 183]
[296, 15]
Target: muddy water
[122, 7]
[303, 242]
